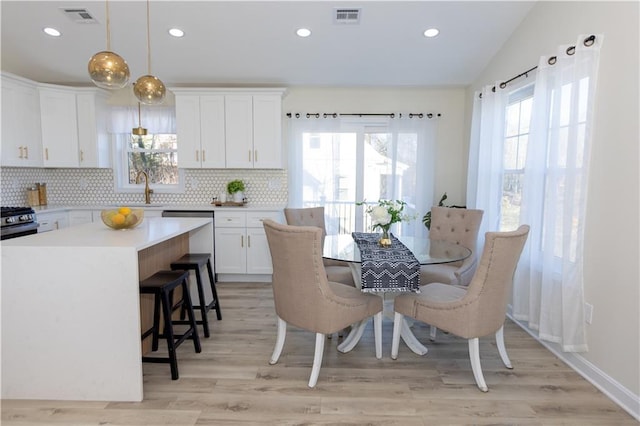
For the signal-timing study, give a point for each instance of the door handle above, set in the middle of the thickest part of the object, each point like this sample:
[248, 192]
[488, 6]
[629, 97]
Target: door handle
[21, 150]
[26, 152]
[241, 240]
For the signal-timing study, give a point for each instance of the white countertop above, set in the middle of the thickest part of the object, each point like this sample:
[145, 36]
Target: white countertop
[160, 206]
[150, 232]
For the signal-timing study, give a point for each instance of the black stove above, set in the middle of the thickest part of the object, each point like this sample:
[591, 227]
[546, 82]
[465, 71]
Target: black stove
[17, 222]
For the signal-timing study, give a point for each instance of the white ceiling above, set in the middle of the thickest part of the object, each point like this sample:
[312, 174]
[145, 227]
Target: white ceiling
[253, 43]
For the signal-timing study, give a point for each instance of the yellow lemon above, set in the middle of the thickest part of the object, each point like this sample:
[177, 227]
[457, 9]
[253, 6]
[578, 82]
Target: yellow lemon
[124, 210]
[118, 219]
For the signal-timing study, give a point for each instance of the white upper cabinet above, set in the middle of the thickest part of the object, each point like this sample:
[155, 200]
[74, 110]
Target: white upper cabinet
[229, 128]
[21, 138]
[200, 129]
[59, 127]
[239, 131]
[73, 122]
[93, 138]
[267, 132]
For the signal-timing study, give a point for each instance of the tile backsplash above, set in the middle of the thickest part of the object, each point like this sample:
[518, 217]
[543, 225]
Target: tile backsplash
[96, 186]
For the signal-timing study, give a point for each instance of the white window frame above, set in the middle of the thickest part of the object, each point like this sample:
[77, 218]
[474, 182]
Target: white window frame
[121, 176]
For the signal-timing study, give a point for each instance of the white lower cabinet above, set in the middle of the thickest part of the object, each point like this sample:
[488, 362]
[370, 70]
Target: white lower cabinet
[241, 243]
[52, 221]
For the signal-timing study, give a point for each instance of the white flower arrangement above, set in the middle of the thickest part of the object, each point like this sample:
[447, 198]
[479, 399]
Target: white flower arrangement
[386, 212]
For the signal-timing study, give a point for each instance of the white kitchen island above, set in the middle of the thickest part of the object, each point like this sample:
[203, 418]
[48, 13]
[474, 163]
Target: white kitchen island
[71, 315]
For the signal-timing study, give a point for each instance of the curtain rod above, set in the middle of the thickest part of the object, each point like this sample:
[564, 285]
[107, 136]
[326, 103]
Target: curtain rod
[361, 114]
[589, 41]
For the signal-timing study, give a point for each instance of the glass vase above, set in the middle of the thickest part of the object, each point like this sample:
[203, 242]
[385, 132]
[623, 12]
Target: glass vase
[385, 238]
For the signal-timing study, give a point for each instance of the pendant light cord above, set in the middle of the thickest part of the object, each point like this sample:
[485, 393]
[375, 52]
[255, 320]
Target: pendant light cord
[108, 30]
[148, 43]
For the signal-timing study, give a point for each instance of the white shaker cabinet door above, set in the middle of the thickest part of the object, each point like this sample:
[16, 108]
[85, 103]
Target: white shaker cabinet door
[212, 132]
[21, 135]
[188, 131]
[267, 131]
[59, 128]
[231, 254]
[258, 254]
[239, 131]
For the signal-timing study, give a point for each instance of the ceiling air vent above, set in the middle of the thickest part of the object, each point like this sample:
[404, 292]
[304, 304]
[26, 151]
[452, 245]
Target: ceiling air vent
[79, 15]
[346, 16]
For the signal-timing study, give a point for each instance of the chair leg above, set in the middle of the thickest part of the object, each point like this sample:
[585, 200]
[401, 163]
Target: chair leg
[474, 356]
[317, 360]
[377, 333]
[168, 333]
[213, 290]
[502, 349]
[395, 340]
[282, 333]
[353, 338]
[202, 305]
[432, 333]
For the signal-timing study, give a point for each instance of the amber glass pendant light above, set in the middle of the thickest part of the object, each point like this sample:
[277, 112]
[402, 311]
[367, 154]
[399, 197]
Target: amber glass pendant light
[107, 69]
[149, 89]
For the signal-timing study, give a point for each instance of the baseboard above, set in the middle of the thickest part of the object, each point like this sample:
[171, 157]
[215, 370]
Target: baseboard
[244, 278]
[619, 394]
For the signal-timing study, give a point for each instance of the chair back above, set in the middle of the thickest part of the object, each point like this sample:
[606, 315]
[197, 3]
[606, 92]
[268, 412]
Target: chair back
[459, 226]
[456, 225]
[308, 216]
[488, 293]
[300, 287]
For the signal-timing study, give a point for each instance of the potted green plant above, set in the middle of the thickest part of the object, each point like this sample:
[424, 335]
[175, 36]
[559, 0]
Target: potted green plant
[236, 189]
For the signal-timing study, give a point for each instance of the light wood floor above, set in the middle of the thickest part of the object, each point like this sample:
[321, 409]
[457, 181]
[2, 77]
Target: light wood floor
[232, 383]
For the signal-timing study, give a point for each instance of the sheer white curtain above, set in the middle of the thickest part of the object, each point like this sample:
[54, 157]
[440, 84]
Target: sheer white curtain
[335, 162]
[156, 119]
[484, 178]
[548, 288]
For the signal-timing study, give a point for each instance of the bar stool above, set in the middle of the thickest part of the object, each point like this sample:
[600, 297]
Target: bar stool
[161, 285]
[195, 261]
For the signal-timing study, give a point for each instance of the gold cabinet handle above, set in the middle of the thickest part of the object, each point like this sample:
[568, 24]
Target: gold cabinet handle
[21, 149]
[249, 241]
[81, 155]
[249, 155]
[26, 152]
[241, 240]
[46, 154]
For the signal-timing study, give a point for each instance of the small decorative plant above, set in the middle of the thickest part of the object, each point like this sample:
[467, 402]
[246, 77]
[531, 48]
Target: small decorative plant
[426, 219]
[235, 186]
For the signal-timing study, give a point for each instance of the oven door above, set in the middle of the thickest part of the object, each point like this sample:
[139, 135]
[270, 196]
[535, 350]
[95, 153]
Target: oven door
[8, 232]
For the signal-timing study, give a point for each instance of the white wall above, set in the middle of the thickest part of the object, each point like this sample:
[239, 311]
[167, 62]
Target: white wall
[451, 155]
[612, 279]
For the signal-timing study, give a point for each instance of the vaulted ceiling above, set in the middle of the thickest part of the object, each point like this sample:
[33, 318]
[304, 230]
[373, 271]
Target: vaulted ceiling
[254, 43]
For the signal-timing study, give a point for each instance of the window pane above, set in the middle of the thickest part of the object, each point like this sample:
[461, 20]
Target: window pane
[155, 154]
[512, 118]
[329, 177]
[511, 199]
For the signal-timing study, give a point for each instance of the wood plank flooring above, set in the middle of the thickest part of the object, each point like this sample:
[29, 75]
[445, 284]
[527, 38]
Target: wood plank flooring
[232, 383]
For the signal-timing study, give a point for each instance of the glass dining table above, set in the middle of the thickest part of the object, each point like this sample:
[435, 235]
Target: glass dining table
[427, 252]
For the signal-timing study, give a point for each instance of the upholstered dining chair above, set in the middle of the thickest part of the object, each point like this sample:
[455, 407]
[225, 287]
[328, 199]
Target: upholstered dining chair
[460, 226]
[337, 271]
[304, 298]
[472, 312]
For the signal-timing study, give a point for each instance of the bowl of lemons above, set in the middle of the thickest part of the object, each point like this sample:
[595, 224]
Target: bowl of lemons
[122, 217]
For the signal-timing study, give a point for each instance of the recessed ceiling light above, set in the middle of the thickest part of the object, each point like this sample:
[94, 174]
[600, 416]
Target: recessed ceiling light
[52, 32]
[431, 32]
[303, 32]
[176, 32]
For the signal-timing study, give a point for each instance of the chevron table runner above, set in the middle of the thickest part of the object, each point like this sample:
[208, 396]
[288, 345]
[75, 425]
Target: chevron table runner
[387, 269]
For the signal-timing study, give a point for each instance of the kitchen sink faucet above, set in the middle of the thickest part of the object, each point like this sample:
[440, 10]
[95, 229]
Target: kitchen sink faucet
[147, 191]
